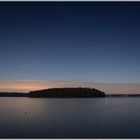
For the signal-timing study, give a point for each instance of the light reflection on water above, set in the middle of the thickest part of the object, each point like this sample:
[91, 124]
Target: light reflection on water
[69, 118]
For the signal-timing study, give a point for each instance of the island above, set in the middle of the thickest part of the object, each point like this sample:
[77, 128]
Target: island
[67, 93]
[58, 93]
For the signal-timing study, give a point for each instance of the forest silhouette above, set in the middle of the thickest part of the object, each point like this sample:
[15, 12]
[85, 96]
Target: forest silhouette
[58, 93]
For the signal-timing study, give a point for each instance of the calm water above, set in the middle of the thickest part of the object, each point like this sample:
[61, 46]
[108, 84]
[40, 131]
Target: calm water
[69, 118]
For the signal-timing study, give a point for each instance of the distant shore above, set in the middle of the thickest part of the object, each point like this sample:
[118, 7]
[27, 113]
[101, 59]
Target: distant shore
[123, 95]
[58, 93]
[65, 93]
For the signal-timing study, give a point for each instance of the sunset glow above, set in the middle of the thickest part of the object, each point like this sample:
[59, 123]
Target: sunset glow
[20, 85]
[31, 85]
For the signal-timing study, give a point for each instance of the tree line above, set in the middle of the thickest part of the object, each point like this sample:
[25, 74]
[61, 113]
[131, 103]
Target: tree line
[67, 93]
[58, 93]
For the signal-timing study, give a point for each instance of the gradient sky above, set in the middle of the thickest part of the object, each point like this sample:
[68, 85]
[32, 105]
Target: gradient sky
[86, 41]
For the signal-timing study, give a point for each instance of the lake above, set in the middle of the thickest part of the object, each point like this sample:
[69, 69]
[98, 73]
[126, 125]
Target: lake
[110, 117]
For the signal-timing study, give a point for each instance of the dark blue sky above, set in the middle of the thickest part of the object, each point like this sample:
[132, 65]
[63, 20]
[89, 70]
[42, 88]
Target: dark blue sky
[98, 41]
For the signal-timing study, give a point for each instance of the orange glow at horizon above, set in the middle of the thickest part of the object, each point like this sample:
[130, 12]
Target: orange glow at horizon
[21, 86]
[28, 87]
[31, 85]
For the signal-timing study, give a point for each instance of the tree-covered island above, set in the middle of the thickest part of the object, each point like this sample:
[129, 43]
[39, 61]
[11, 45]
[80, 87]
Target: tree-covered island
[67, 93]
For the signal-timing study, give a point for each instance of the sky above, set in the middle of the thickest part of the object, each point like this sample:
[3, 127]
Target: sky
[50, 44]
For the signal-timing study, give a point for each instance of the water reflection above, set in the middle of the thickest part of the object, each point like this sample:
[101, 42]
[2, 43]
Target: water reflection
[69, 118]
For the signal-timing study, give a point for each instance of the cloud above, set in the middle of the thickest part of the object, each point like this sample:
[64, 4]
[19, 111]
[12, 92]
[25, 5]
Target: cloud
[29, 85]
